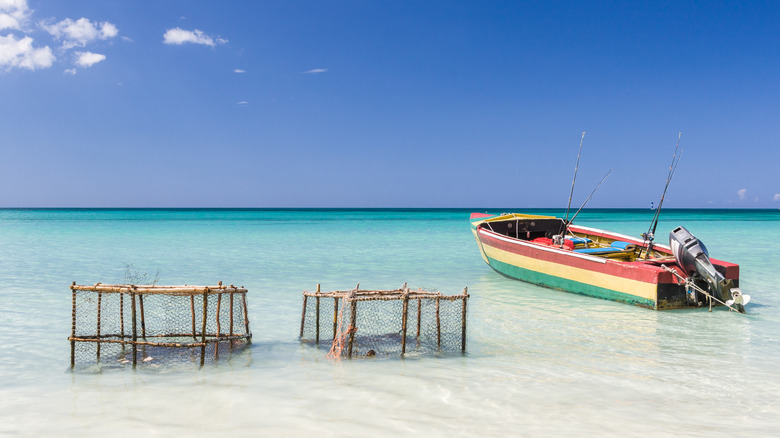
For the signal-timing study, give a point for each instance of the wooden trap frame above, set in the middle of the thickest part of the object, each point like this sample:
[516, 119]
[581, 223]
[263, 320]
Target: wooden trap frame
[373, 322]
[160, 318]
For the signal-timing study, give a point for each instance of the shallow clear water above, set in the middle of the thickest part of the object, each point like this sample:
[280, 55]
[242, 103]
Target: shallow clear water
[539, 361]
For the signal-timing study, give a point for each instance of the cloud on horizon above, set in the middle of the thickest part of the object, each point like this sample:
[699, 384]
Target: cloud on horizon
[238, 70]
[178, 36]
[777, 197]
[314, 71]
[741, 193]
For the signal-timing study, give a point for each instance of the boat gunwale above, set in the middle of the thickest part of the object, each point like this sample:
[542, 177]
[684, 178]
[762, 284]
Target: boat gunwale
[522, 242]
[476, 222]
[648, 264]
[611, 234]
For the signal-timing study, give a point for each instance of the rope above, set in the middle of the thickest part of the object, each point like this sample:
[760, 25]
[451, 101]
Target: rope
[689, 284]
[338, 342]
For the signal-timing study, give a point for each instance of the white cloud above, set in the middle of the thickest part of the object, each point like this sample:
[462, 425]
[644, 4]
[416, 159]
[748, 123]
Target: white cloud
[88, 59]
[317, 70]
[21, 54]
[243, 102]
[777, 197]
[238, 70]
[179, 36]
[80, 32]
[741, 193]
[13, 14]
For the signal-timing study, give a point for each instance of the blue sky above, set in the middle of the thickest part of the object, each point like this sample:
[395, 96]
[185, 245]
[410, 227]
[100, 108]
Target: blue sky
[387, 103]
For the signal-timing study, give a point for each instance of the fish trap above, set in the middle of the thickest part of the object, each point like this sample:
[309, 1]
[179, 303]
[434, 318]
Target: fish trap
[367, 323]
[119, 325]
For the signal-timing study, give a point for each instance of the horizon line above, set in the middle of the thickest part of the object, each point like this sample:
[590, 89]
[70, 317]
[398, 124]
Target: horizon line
[379, 208]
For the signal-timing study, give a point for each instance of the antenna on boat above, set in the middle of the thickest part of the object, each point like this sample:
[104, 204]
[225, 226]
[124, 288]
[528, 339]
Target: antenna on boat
[649, 236]
[591, 195]
[576, 166]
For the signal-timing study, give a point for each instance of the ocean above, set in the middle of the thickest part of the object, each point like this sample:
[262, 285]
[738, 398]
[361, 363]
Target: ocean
[539, 362]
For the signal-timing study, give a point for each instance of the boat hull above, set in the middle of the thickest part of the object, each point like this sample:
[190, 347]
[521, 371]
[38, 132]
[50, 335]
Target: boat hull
[641, 283]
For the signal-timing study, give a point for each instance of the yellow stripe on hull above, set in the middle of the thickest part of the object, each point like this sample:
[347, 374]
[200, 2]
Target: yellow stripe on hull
[648, 291]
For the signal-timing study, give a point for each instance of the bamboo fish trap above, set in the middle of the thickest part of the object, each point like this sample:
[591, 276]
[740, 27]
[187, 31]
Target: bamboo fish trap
[125, 323]
[367, 323]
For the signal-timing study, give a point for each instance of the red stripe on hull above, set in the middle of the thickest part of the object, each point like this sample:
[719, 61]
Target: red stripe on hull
[639, 271]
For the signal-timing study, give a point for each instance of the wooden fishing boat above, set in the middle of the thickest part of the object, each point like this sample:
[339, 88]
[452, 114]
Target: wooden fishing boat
[551, 252]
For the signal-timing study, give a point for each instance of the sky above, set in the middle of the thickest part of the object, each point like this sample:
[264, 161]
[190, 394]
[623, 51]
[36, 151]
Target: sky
[435, 104]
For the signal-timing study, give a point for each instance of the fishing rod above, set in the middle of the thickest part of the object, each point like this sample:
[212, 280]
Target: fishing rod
[576, 166]
[649, 236]
[591, 195]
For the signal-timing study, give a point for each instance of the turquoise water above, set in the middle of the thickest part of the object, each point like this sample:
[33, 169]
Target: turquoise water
[539, 361]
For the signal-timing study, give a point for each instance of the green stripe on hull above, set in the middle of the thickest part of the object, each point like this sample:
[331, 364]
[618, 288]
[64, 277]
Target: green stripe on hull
[567, 285]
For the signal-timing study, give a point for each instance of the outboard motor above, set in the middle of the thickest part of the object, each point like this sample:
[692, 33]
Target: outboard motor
[693, 258]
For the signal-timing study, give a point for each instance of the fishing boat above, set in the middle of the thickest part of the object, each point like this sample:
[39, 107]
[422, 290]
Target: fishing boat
[556, 253]
[551, 252]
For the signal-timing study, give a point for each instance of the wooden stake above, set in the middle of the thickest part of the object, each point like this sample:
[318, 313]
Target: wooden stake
[203, 326]
[219, 308]
[303, 316]
[231, 313]
[317, 318]
[216, 345]
[143, 321]
[99, 301]
[403, 322]
[438, 324]
[122, 316]
[463, 320]
[246, 317]
[192, 311]
[135, 331]
[335, 316]
[352, 327]
[73, 329]
[419, 315]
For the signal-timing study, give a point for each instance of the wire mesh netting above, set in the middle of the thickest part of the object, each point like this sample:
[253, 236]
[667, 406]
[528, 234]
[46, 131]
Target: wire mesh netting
[157, 326]
[402, 322]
